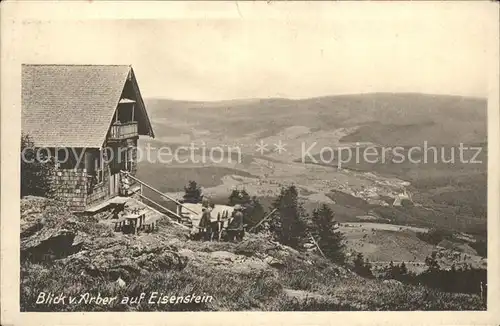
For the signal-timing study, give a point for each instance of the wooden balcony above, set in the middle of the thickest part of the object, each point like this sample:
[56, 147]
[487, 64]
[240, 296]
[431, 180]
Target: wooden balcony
[120, 131]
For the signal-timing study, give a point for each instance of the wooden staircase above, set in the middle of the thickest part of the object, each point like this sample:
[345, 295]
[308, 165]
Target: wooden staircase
[155, 210]
[151, 215]
[181, 219]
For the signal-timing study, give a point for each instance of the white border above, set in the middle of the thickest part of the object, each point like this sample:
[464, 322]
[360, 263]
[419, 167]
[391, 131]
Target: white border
[13, 13]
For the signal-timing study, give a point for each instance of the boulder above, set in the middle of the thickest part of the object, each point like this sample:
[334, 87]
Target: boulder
[32, 224]
[50, 244]
[125, 263]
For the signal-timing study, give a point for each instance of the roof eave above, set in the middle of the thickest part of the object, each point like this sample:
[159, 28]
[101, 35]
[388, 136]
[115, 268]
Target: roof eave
[141, 102]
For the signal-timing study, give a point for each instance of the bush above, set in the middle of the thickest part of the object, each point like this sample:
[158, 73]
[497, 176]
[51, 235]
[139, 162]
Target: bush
[399, 273]
[463, 280]
[432, 262]
[192, 193]
[362, 267]
[288, 224]
[330, 241]
[456, 280]
[481, 247]
[36, 170]
[253, 211]
[240, 197]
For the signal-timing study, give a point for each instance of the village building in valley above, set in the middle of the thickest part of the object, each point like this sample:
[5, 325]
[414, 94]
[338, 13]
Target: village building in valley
[94, 115]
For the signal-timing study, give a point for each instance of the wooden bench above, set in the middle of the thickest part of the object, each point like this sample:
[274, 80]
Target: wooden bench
[119, 223]
[151, 224]
[215, 230]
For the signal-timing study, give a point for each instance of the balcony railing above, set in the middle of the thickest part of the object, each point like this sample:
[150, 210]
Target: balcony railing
[123, 130]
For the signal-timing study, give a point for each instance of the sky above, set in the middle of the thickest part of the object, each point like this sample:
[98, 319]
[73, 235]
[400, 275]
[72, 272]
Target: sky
[327, 51]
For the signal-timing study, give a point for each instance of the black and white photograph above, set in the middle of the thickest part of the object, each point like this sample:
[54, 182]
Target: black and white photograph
[280, 157]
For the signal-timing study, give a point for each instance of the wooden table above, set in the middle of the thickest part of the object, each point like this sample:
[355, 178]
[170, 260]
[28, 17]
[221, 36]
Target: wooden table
[136, 220]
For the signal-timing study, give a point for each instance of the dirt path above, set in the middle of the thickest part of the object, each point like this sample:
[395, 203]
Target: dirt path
[383, 226]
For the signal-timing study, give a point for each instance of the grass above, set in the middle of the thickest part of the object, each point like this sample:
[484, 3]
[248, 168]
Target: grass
[229, 291]
[337, 288]
[245, 283]
[379, 296]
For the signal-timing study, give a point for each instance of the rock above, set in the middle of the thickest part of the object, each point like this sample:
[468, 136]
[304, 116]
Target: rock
[223, 255]
[50, 244]
[50, 231]
[285, 248]
[79, 240]
[119, 262]
[309, 245]
[31, 225]
[166, 260]
[392, 282]
[121, 283]
[186, 252]
[274, 262]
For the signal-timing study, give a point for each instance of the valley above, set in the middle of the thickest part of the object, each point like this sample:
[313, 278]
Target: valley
[450, 196]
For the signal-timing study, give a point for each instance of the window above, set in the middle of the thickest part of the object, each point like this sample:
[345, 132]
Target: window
[128, 159]
[131, 157]
[94, 165]
[123, 159]
[98, 167]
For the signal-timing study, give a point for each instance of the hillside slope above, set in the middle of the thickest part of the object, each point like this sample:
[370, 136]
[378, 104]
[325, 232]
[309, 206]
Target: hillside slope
[74, 255]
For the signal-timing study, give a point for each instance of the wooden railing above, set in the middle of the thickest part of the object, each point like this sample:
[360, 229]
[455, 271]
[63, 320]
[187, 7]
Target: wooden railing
[162, 213]
[124, 130]
[160, 206]
[143, 184]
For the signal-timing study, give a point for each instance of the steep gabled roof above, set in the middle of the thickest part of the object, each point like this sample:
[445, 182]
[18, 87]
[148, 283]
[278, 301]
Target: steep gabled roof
[73, 105]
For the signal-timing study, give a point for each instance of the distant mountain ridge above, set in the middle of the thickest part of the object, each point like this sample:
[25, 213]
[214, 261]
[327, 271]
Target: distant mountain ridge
[384, 118]
[243, 101]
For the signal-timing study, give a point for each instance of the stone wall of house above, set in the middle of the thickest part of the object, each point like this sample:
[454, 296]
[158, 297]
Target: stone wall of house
[70, 186]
